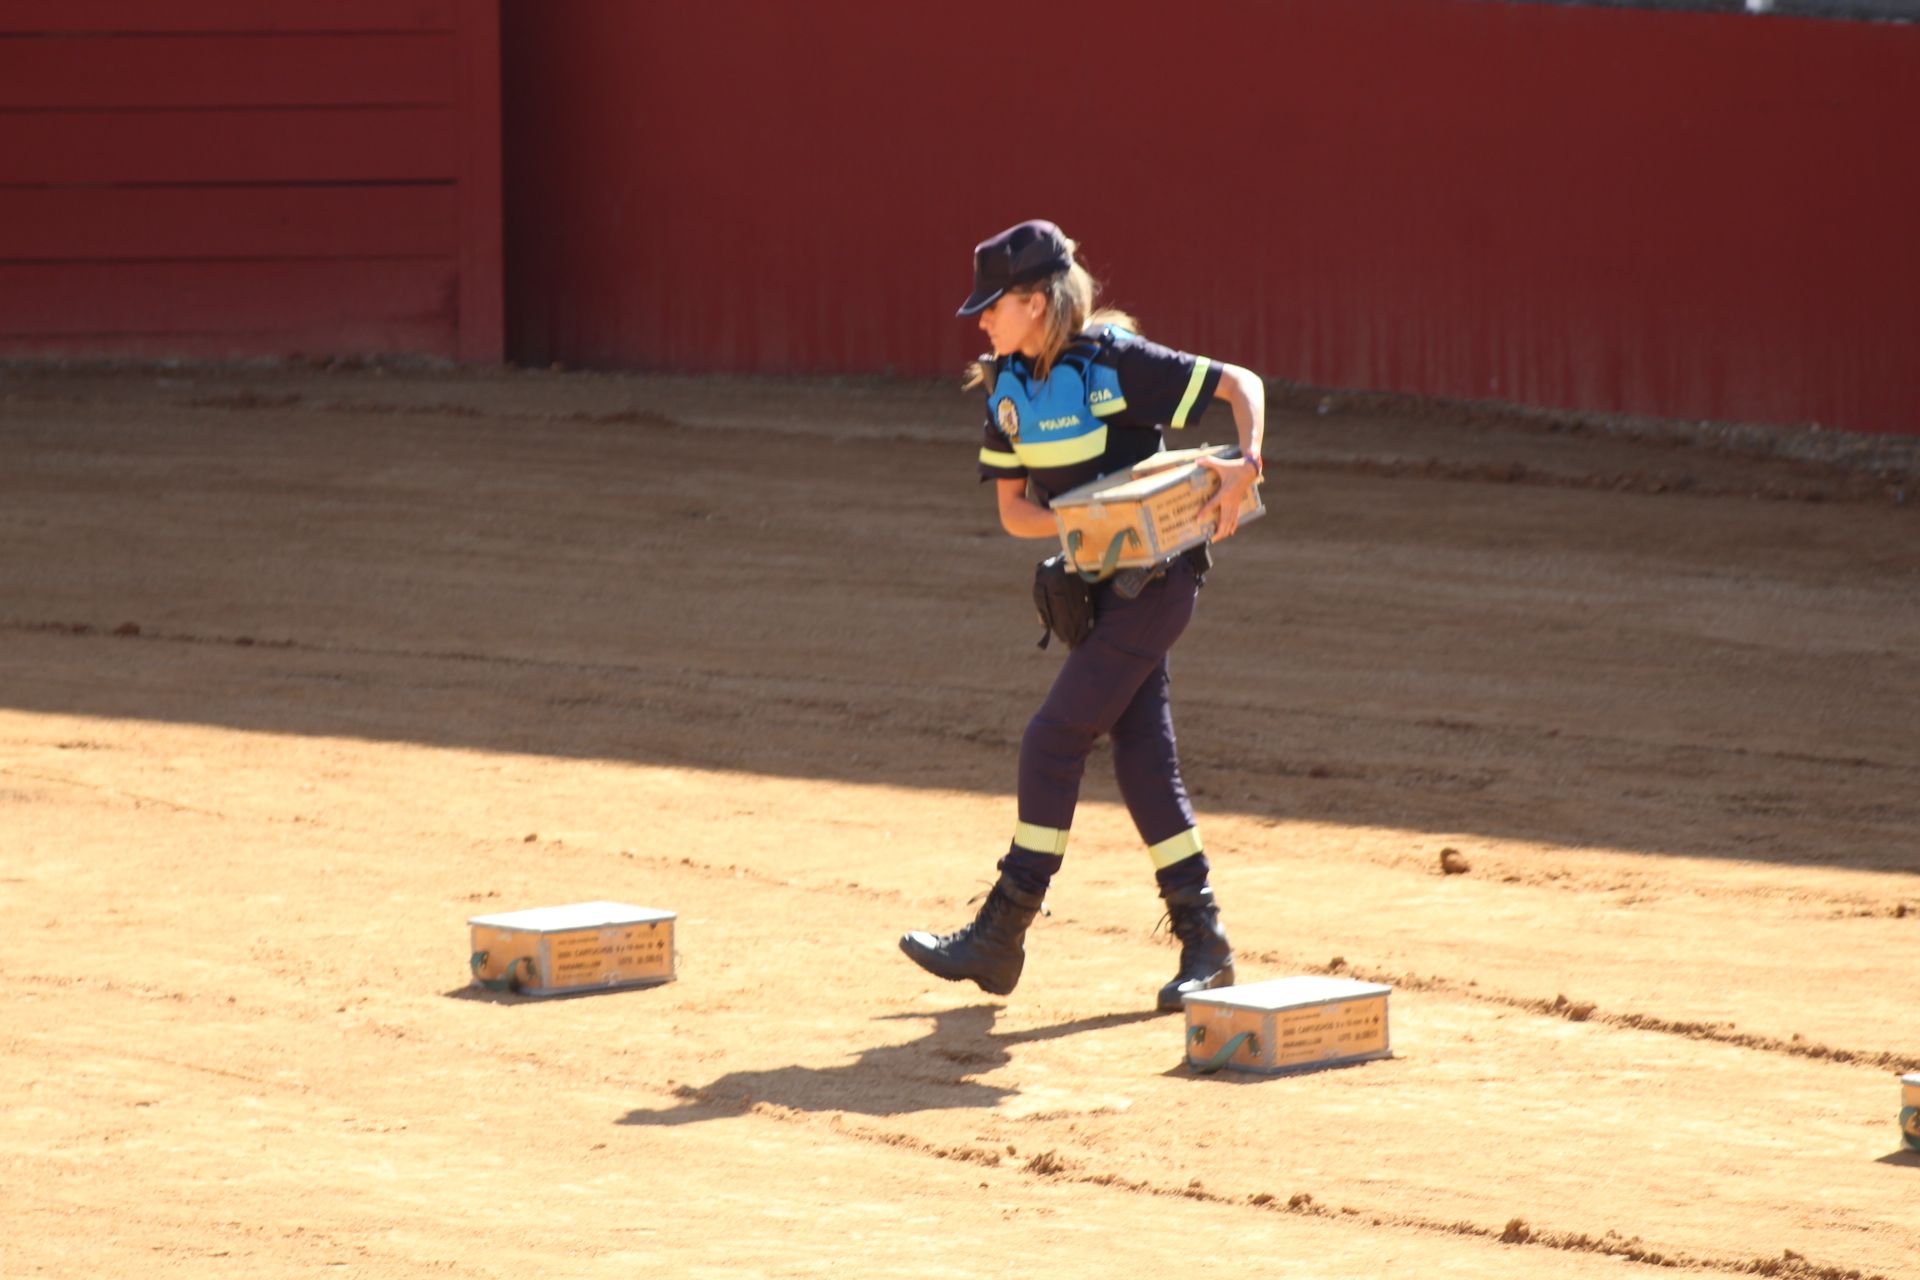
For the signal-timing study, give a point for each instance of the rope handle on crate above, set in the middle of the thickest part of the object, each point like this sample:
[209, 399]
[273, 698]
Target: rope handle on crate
[1198, 1036]
[507, 981]
[1108, 562]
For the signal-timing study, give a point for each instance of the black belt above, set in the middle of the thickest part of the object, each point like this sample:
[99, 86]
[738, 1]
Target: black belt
[1129, 583]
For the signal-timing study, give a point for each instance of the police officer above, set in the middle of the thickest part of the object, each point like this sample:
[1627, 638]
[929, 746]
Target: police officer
[1074, 394]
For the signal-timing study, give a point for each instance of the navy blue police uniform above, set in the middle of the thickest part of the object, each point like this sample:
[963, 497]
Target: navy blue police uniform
[1104, 406]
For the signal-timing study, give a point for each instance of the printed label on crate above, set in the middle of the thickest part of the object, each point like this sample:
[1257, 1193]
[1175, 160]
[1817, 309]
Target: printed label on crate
[1341, 1030]
[1176, 514]
[635, 951]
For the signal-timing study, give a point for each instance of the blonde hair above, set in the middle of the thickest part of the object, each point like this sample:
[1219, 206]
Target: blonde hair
[1070, 296]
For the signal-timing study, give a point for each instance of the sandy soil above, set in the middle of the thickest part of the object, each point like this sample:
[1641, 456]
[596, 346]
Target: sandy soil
[299, 669]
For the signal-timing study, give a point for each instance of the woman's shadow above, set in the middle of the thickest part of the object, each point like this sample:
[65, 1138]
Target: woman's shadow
[934, 1072]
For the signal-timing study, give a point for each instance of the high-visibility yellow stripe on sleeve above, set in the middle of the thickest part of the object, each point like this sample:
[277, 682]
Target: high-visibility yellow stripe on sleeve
[1200, 368]
[1168, 852]
[1107, 408]
[1063, 453]
[1040, 839]
[995, 458]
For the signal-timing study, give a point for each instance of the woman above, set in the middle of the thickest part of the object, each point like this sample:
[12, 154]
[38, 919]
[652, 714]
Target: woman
[1074, 394]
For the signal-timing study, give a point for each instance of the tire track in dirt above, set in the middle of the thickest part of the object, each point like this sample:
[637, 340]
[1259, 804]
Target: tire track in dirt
[1558, 1007]
[1531, 734]
[1791, 479]
[138, 797]
[690, 679]
[1802, 484]
[95, 1052]
[705, 683]
[1279, 765]
[1051, 1165]
[1587, 1011]
[1570, 883]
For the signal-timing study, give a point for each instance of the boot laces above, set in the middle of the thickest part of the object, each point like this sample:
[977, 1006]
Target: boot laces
[1188, 924]
[992, 908]
[986, 894]
[1200, 939]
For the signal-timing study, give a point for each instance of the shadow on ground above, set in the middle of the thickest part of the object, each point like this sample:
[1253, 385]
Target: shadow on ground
[932, 1073]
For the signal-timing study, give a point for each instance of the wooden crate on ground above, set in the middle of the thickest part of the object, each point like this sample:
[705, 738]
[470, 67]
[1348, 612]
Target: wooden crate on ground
[1288, 1024]
[583, 946]
[1134, 519]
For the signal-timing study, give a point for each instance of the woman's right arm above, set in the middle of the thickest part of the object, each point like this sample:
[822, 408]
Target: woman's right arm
[1020, 515]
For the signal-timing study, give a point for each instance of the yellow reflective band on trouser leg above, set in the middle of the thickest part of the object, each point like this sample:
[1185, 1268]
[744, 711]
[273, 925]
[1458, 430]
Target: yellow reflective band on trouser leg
[1051, 840]
[1200, 368]
[1168, 852]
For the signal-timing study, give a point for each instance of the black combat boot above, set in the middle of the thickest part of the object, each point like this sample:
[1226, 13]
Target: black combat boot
[1206, 961]
[988, 951]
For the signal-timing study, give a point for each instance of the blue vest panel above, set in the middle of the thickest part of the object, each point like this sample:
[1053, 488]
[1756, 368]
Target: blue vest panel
[1058, 422]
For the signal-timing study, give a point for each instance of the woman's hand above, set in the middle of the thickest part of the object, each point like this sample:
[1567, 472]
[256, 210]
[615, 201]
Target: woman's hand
[1236, 481]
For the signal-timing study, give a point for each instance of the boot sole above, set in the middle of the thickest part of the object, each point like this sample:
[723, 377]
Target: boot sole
[1170, 995]
[932, 962]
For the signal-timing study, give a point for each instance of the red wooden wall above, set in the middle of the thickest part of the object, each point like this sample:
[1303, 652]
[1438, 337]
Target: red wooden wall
[249, 177]
[1684, 214]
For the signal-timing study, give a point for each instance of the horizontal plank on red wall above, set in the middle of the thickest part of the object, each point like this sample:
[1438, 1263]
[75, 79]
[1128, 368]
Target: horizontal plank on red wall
[371, 144]
[428, 336]
[49, 300]
[247, 71]
[78, 223]
[33, 16]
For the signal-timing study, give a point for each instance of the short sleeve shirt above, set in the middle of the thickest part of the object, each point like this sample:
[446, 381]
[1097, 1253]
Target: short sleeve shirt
[1162, 388]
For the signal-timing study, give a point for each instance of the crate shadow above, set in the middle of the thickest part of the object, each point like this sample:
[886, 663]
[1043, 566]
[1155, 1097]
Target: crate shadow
[933, 1072]
[1227, 1075]
[483, 995]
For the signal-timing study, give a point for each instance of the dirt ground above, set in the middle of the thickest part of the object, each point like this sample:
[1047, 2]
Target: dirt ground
[301, 668]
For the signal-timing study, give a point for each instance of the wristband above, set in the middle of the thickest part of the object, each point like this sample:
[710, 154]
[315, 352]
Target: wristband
[1258, 463]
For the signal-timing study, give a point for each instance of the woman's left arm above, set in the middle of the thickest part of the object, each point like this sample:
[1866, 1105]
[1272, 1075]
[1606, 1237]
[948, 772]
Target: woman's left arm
[1243, 390]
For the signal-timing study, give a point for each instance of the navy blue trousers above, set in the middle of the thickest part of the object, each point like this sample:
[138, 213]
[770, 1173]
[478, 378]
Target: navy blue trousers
[1114, 684]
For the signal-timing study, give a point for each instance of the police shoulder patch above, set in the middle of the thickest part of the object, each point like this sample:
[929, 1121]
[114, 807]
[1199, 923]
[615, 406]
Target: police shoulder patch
[1007, 414]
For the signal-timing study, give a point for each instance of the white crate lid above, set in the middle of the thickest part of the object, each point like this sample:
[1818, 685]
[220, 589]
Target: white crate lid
[575, 915]
[1123, 488]
[1286, 993]
[1913, 1079]
[1167, 472]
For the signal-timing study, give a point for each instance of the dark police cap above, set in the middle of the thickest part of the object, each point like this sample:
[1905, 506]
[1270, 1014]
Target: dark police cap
[1021, 254]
